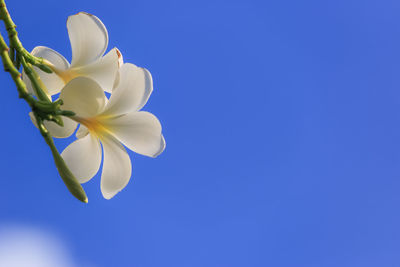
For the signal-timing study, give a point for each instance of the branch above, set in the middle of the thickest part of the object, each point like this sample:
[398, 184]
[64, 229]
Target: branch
[43, 108]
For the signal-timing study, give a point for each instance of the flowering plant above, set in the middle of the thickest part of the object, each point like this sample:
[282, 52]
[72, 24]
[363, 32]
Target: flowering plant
[105, 124]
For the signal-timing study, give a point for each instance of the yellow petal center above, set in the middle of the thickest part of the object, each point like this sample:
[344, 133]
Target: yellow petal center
[66, 75]
[94, 125]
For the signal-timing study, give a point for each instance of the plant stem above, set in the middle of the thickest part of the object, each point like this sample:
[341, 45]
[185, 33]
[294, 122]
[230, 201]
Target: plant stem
[37, 84]
[43, 109]
[15, 74]
[16, 43]
[70, 181]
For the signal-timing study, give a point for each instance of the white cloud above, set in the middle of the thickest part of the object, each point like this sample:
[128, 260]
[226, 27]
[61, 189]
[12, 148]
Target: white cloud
[23, 246]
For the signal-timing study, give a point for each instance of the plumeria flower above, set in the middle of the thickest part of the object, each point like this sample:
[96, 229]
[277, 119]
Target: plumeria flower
[114, 123]
[89, 40]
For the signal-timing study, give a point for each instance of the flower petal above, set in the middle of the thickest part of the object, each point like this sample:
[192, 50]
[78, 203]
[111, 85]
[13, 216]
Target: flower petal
[83, 96]
[133, 90]
[103, 71]
[56, 130]
[139, 131]
[83, 157]
[88, 37]
[52, 56]
[117, 168]
[82, 131]
[52, 81]
[117, 78]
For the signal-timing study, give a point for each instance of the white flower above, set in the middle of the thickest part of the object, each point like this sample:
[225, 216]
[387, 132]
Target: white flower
[89, 41]
[114, 122]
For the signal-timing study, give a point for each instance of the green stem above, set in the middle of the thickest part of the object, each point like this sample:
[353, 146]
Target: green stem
[16, 43]
[37, 83]
[42, 108]
[70, 181]
[15, 74]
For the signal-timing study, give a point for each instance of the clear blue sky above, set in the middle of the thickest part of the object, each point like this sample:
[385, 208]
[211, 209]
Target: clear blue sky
[282, 122]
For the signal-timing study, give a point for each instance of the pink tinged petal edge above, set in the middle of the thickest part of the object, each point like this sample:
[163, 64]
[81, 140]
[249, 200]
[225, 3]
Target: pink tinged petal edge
[104, 71]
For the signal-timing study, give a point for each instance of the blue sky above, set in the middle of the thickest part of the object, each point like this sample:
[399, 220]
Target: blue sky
[282, 127]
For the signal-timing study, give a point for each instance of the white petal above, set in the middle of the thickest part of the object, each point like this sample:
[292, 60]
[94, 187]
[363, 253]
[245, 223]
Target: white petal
[117, 78]
[56, 130]
[103, 71]
[83, 157]
[88, 37]
[117, 168]
[132, 92]
[139, 131]
[52, 56]
[83, 96]
[82, 131]
[52, 81]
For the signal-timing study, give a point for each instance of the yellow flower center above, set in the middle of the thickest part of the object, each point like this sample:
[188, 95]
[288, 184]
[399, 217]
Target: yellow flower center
[66, 75]
[94, 126]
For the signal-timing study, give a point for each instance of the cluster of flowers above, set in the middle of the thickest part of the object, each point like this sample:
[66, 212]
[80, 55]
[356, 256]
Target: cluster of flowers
[111, 123]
